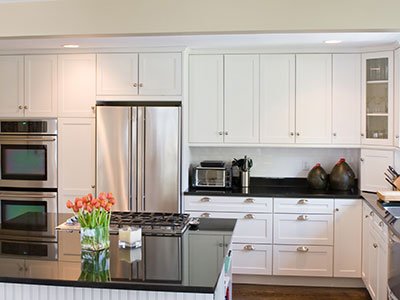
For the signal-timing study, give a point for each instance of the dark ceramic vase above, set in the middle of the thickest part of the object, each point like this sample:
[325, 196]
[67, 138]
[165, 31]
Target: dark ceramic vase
[342, 177]
[317, 178]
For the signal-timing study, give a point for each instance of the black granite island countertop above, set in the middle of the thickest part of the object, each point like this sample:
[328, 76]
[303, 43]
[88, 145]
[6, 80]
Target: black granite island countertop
[190, 263]
[275, 187]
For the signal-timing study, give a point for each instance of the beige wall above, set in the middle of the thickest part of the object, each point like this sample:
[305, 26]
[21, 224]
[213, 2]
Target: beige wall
[88, 17]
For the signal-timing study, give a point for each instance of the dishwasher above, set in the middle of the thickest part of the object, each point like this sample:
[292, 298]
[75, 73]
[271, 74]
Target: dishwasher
[394, 267]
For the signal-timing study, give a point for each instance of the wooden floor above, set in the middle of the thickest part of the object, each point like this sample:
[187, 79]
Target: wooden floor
[258, 292]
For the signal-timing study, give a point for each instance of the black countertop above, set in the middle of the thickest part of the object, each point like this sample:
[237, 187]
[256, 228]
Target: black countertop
[189, 263]
[275, 187]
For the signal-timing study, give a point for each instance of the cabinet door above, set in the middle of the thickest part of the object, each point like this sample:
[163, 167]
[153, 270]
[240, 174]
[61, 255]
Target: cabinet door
[117, 74]
[373, 164]
[346, 99]
[206, 98]
[241, 99]
[252, 259]
[348, 231]
[365, 244]
[11, 86]
[12, 267]
[76, 172]
[160, 74]
[277, 98]
[382, 268]
[373, 265]
[41, 269]
[77, 85]
[41, 86]
[313, 98]
[377, 98]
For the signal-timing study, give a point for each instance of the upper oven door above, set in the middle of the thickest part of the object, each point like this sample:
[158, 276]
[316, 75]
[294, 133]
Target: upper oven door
[28, 215]
[28, 161]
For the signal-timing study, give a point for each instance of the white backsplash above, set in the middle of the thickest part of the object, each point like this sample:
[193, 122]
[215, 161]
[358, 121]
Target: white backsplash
[280, 162]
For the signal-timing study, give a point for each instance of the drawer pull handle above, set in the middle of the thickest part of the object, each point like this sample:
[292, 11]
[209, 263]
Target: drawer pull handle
[302, 201]
[375, 245]
[249, 216]
[371, 213]
[205, 199]
[302, 249]
[249, 248]
[380, 224]
[249, 200]
[302, 218]
[205, 215]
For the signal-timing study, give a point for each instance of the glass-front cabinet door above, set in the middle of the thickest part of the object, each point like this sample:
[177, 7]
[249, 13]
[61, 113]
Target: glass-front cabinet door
[377, 119]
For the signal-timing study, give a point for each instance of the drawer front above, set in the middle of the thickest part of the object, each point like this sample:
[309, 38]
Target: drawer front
[303, 229]
[252, 259]
[228, 204]
[302, 260]
[303, 205]
[379, 226]
[250, 228]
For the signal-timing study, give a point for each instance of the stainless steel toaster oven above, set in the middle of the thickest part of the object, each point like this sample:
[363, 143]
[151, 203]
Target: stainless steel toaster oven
[212, 175]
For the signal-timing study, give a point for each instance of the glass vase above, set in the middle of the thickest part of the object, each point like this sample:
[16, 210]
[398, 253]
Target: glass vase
[95, 266]
[95, 239]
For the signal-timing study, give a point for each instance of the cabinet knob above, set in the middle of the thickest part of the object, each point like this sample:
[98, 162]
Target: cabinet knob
[302, 249]
[134, 84]
[380, 224]
[140, 84]
[292, 134]
[249, 248]
[226, 132]
[205, 215]
[93, 186]
[20, 107]
[361, 159]
[375, 245]
[25, 106]
[397, 136]
[20, 269]
[362, 134]
[298, 133]
[334, 134]
[249, 217]
[302, 218]
[205, 199]
[371, 214]
[337, 209]
[220, 133]
[93, 108]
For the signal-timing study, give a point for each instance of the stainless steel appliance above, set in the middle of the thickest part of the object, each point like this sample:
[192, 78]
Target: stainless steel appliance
[212, 174]
[394, 267]
[28, 153]
[138, 155]
[28, 250]
[28, 216]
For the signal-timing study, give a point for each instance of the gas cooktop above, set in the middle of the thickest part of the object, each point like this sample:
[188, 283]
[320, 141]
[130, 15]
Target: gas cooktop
[151, 223]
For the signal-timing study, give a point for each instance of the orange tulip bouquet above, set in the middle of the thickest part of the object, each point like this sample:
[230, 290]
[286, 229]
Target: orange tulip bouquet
[94, 216]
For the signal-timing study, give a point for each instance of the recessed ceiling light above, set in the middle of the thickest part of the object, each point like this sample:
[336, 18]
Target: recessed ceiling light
[71, 46]
[332, 42]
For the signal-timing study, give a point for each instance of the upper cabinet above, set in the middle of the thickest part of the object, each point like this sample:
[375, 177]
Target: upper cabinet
[76, 85]
[132, 74]
[11, 86]
[277, 99]
[313, 98]
[28, 89]
[241, 113]
[377, 94]
[346, 99]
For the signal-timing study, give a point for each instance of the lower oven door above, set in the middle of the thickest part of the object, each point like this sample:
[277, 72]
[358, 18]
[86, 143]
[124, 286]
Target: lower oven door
[28, 215]
[28, 250]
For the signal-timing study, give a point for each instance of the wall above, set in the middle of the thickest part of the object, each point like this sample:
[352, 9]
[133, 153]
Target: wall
[280, 162]
[88, 17]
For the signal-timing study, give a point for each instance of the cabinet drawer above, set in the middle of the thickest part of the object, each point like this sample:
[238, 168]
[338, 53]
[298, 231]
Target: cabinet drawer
[302, 260]
[303, 229]
[228, 204]
[303, 205]
[252, 259]
[378, 225]
[250, 228]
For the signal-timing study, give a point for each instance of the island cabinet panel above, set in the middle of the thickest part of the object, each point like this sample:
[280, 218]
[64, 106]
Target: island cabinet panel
[252, 259]
[228, 204]
[11, 291]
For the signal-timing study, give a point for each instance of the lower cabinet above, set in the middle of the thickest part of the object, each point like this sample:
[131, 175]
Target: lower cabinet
[28, 268]
[252, 259]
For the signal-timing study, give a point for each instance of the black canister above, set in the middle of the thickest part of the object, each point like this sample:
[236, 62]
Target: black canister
[317, 178]
[342, 177]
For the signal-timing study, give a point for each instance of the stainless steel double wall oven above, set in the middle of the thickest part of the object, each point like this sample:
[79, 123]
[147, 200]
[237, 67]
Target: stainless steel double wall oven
[28, 181]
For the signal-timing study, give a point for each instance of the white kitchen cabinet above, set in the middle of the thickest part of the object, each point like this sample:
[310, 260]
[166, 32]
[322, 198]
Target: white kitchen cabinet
[303, 229]
[303, 205]
[365, 242]
[12, 267]
[130, 74]
[377, 98]
[11, 86]
[76, 85]
[40, 86]
[313, 98]
[41, 269]
[252, 259]
[298, 260]
[241, 91]
[372, 167]
[348, 231]
[76, 171]
[346, 99]
[396, 84]
[277, 99]
[206, 99]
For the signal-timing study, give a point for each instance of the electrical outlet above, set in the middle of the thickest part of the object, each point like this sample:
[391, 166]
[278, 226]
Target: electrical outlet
[306, 166]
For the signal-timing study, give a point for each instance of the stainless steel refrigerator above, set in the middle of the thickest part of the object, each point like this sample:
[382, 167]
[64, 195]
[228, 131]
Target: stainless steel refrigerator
[139, 154]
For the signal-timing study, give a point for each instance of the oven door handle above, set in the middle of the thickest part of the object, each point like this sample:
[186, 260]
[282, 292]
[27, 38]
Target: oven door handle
[44, 196]
[36, 139]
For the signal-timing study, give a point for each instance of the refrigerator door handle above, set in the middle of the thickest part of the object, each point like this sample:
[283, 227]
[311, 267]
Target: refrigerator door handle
[133, 160]
[140, 158]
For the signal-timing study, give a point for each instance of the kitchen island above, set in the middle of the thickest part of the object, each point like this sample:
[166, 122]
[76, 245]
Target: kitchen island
[190, 266]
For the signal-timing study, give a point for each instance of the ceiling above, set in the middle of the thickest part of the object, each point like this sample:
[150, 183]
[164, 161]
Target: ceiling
[305, 40]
